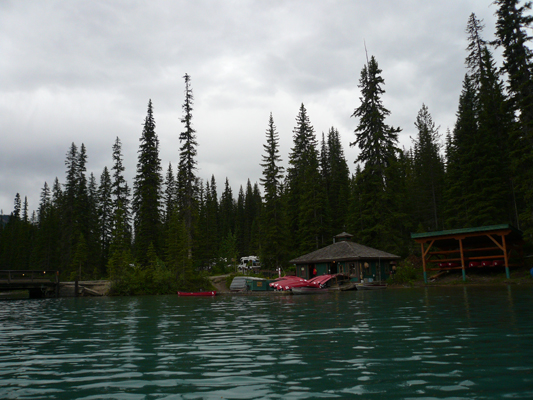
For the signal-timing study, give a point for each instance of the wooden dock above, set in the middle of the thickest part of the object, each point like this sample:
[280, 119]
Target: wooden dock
[38, 283]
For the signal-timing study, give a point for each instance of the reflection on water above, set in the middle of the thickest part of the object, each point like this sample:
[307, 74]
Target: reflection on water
[445, 343]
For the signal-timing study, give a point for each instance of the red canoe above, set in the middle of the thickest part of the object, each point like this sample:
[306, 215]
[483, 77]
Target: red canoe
[213, 293]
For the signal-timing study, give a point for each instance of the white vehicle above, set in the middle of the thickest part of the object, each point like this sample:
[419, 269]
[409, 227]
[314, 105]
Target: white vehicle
[249, 263]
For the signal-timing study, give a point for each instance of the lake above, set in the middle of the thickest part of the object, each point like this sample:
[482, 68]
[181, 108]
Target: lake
[425, 343]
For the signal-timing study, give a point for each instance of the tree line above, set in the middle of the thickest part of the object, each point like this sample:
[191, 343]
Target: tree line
[168, 226]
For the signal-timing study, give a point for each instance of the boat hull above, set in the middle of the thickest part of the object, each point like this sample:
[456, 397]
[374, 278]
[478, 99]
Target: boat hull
[212, 293]
[308, 290]
[370, 286]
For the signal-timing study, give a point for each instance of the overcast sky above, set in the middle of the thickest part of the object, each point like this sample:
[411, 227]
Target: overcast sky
[83, 72]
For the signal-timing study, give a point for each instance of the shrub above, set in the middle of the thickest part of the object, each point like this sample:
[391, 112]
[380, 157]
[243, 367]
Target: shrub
[406, 273]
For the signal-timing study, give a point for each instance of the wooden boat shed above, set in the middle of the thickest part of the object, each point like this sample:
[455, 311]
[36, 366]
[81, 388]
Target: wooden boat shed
[486, 246]
[346, 257]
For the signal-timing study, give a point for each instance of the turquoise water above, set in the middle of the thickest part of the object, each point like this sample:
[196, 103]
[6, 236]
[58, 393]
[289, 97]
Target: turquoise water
[429, 343]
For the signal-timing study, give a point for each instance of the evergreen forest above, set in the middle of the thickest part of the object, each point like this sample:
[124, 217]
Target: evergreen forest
[167, 228]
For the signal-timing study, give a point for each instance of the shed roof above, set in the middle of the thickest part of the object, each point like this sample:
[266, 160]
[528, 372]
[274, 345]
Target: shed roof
[467, 231]
[344, 251]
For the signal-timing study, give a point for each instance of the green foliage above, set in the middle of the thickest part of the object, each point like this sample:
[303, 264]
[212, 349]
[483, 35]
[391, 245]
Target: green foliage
[512, 34]
[186, 175]
[273, 216]
[306, 202]
[428, 173]
[147, 191]
[376, 201]
[406, 273]
[144, 281]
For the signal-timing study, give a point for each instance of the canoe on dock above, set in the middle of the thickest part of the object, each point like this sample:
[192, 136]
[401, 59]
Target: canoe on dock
[212, 293]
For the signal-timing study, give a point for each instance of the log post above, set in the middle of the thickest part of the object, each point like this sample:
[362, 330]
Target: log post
[462, 258]
[506, 257]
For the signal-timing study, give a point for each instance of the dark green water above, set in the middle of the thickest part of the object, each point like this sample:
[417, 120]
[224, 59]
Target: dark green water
[435, 343]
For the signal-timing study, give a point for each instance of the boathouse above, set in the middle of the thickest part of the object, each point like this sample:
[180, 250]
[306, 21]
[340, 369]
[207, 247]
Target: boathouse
[346, 257]
[486, 246]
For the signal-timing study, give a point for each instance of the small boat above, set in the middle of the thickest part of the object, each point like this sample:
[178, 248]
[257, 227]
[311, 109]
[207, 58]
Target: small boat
[212, 293]
[371, 286]
[309, 290]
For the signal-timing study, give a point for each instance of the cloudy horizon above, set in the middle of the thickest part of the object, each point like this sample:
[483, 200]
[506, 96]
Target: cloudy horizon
[83, 72]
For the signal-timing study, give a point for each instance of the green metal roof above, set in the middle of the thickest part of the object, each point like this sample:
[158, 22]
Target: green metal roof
[479, 229]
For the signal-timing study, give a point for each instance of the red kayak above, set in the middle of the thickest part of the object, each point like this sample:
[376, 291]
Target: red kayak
[213, 293]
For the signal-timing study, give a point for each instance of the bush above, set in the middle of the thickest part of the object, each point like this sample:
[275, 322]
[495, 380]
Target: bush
[406, 273]
[194, 283]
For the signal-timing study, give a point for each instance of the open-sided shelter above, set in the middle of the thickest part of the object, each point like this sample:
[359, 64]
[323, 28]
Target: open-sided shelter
[486, 246]
[346, 257]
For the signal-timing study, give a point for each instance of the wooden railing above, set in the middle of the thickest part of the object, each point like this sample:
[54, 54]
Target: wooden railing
[29, 276]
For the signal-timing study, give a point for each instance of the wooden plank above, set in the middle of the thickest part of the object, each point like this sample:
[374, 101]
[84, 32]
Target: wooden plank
[441, 260]
[497, 243]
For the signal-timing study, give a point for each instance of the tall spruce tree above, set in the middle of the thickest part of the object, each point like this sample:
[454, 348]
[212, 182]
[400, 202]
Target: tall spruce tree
[46, 254]
[377, 143]
[272, 219]
[121, 193]
[494, 204]
[105, 219]
[513, 21]
[252, 210]
[227, 212]
[212, 231]
[170, 195]
[306, 202]
[478, 191]
[147, 192]
[428, 173]
[70, 228]
[337, 183]
[187, 167]
[241, 230]
[460, 172]
[475, 48]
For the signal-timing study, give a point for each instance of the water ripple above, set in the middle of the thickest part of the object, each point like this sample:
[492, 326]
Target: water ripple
[427, 343]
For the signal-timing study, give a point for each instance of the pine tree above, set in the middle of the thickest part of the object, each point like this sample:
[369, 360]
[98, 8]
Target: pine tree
[187, 167]
[253, 203]
[121, 202]
[86, 214]
[212, 220]
[337, 182]
[273, 238]
[428, 171]
[377, 144]
[476, 46]
[227, 212]
[105, 218]
[170, 196]
[147, 192]
[494, 204]
[13, 242]
[460, 171]
[241, 228]
[70, 229]
[177, 250]
[478, 191]
[46, 253]
[17, 207]
[306, 202]
[512, 24]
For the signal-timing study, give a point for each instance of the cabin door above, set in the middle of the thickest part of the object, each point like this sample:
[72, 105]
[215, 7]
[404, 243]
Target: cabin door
[355, 270]
[333, 268]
